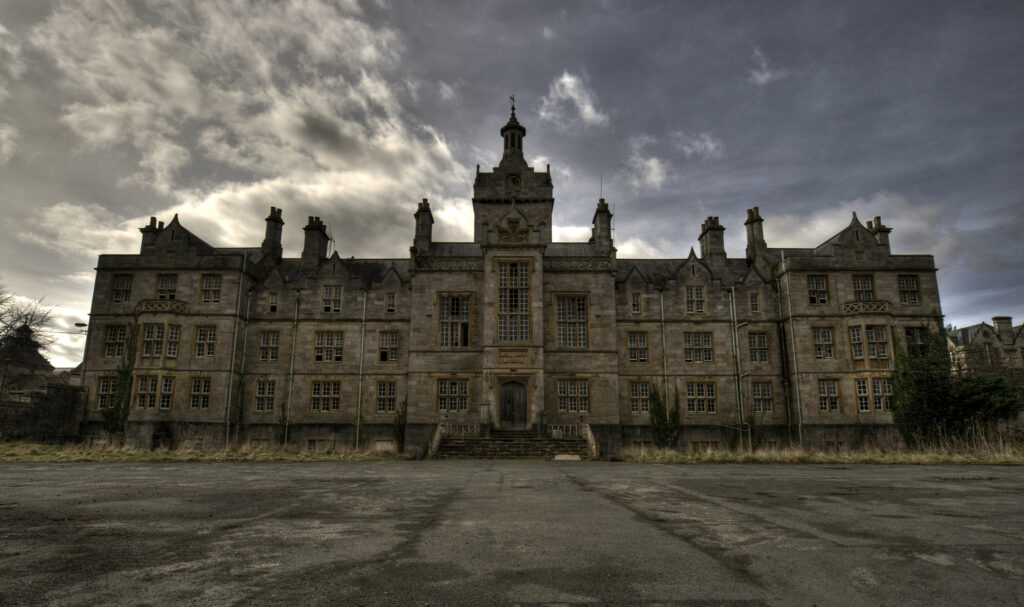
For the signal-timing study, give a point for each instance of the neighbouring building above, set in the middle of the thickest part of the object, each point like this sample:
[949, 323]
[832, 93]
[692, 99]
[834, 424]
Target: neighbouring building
[996, 348]
[510, 330]
[36, 403]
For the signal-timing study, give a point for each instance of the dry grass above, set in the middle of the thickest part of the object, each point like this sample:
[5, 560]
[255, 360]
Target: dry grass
[35, 452]
[797, 455]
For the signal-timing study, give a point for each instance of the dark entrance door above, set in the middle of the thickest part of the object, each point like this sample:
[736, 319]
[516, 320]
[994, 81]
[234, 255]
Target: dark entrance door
[513, 404]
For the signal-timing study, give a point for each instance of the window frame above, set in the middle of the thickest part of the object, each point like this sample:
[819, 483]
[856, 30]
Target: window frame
[210, 287]
[449, 402]
[695, 299]
[121, 288]
[445, 325]
[861, 293]
[106, 391]
[328, 342]
[265, 394]
[701, 396]
[703, 349]
[200, 390]
[635, 351]
[573, 394]
[506, 319]
[572, 300]
[759, 353]
[818, 293]
[325, 395]
[828, 401]
[640, 397]
[167, 286]
[205, 341]
[387, 353]
[387, 396]
[763, 401]
[116, 344]
[909, 295]
[822, 347]
[332, 298]
[270, 346]
[147, 388]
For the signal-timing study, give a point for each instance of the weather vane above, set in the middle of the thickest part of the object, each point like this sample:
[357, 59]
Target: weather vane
[512, 98]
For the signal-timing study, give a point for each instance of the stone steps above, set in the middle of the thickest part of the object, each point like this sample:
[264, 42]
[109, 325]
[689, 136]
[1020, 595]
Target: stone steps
[511, 444]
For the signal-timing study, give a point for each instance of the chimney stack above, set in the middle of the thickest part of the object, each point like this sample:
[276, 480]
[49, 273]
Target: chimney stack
[755, 233]
[149, 233]
[1004, 328]
[602, 232]
[315, 247]
[272, 241]
[424, 227]
[712, 242]
[879, 231]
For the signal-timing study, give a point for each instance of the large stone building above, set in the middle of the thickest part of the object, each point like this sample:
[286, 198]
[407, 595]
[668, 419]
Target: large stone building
[997, 348]
[509, 330]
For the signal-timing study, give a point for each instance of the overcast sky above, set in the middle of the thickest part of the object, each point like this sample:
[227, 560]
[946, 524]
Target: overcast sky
[113, 111]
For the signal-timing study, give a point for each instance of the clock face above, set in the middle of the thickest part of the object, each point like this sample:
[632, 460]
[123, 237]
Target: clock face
[512, 183]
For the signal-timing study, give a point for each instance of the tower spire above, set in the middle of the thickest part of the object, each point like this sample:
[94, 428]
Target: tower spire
[513, 133]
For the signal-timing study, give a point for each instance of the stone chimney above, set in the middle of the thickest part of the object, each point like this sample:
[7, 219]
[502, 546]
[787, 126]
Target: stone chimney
[272, 241]
[1004, 328]
[424, 227]
[755, 233]
[879, 231]
[149, 233]
[315, 247]
[602, 233]
[712, 242]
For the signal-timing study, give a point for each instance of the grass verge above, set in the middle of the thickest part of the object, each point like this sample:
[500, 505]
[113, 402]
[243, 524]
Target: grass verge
[35, 452]
[796, 455]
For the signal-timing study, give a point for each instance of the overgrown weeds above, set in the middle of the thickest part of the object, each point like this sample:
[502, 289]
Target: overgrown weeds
[797, 455]
[35, 452]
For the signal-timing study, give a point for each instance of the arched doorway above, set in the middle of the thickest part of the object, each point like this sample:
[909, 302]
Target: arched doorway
[512, 397]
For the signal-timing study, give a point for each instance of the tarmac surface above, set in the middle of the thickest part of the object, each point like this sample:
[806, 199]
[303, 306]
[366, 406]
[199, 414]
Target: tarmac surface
[510, 533]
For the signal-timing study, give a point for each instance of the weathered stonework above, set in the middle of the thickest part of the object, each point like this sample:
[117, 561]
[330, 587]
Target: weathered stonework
[510, 330]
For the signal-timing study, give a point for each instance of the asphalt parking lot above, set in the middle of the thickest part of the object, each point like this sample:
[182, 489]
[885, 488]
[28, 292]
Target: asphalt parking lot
[508, 533]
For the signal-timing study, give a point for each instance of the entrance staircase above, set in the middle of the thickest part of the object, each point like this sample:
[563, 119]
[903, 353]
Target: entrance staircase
[511, 444]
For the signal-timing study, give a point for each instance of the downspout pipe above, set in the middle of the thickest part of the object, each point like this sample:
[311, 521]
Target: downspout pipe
[241, 364]
[796, 366]
[664, 354]
[362, 357]
[234, 349]
[291, 371]
[744, 429]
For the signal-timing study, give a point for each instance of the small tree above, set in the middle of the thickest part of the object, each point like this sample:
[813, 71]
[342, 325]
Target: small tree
[115, 416]
[664, 423]
[930, 399]
[922, 381]
[398, 426]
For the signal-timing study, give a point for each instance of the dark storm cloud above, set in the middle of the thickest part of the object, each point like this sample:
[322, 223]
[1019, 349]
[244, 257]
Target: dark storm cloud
[114, 111]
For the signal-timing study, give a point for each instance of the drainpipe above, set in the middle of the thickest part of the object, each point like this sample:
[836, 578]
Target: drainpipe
[796, 366]
[664, 356]
[780, 331]
[234, 347]
[291, 372]
[362, 357]
[744, 428]
[241, 364]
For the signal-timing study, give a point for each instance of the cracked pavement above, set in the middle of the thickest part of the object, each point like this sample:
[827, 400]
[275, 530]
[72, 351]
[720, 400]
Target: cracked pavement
[510, 533]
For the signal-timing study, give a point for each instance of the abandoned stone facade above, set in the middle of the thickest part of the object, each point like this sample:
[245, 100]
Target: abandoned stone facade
[998, 347]
[510, 330]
